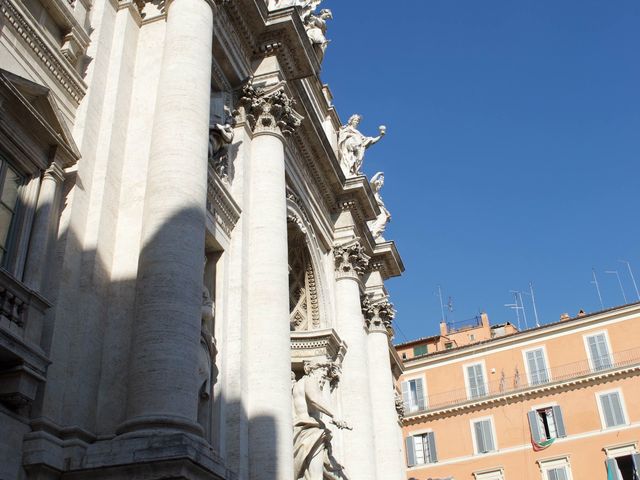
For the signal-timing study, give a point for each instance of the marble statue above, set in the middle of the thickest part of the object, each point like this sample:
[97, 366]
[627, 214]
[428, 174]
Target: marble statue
[379, 225]
[207, 372]
[316, 26]
[313, 459]
[352, 144]
[220, 137]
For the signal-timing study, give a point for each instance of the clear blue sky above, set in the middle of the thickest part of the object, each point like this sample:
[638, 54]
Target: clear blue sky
[513, 147]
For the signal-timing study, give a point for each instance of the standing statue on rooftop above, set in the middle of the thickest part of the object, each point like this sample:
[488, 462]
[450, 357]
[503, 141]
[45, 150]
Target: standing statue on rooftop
[313, 459]
[352, 144]
[379, 225]
[316, 26]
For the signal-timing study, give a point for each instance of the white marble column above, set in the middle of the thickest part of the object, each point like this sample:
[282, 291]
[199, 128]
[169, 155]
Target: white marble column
[269, 405]
[44, 227]
[355, 395]
[163, 386]
[379, 314]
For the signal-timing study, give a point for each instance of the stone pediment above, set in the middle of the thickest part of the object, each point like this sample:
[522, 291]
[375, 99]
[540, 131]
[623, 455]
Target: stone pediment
[39, 124]
[317, 346]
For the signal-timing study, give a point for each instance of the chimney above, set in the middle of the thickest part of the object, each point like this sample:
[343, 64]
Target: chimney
[564, 316]
[581, 313]
[443, 328]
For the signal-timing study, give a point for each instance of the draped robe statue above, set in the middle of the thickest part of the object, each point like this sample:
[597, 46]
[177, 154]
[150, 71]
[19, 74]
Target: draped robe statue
[379, 225]
[352, 144]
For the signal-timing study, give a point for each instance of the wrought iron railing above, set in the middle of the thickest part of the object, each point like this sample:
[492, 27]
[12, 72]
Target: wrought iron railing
[521, 381]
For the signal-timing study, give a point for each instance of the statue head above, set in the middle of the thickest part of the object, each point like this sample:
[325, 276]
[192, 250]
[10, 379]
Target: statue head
[326, 13]
[354, 120]
[324, 371]
[377, 181]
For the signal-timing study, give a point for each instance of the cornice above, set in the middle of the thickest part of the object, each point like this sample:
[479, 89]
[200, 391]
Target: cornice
[387, 259]
[44, 50]
[525, 393]
[220, 203]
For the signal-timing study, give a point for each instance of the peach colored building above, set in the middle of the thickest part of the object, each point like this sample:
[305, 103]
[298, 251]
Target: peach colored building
[557, 402]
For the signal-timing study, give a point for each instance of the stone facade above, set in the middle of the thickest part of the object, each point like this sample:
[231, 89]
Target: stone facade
[188, 245]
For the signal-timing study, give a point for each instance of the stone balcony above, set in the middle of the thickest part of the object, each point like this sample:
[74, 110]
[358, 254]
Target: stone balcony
[520, 385]
[23, 364]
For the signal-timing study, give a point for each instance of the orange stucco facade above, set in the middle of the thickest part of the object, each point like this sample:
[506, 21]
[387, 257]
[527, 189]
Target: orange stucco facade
[587, 367]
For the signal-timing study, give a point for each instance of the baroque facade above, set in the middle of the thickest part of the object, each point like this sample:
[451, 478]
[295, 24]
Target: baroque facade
[193, 267]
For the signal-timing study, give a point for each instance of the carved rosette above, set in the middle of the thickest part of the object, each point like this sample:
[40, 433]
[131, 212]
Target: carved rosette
[378, 314]
[269, 109]
[350, 259]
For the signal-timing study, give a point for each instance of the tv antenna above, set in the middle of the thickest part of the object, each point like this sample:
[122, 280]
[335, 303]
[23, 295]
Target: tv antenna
[516, 307]
[533, 301]
[518, 296]
[439, 294]
[595, 282]
[632, 277]
[615, 272]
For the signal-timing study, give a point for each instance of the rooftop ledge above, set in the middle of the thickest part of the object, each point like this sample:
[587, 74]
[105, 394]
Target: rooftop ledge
[517, 386]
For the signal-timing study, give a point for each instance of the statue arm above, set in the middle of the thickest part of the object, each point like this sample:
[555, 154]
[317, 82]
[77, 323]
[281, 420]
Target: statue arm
[314, 399]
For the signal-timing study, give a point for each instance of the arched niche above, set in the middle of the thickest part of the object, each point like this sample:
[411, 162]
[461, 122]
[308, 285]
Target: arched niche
[307, 298]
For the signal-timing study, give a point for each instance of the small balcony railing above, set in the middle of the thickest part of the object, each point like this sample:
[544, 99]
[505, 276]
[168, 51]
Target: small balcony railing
[520, 381]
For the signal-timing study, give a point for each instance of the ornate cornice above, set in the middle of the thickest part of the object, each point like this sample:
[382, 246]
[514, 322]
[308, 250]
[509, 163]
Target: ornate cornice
[351, 259]
[53, 61]
[378, 314]
[268, 109]
[220, 204]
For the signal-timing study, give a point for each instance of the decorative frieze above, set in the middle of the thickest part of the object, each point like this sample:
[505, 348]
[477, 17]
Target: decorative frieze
[350, 258]
[269, 109]
[378, 314]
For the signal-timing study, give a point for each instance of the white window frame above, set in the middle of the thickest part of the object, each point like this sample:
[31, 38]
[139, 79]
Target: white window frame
[419, 433]
[551, 463]
[588, 351]
[490, 474]
[425, 391]
[623, 406]
[472, 423]
[484, 378]
[541, 406]
[622, 450]
[546, 363]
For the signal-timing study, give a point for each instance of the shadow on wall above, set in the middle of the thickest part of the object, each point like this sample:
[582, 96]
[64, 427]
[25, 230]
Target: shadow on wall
[91, 333]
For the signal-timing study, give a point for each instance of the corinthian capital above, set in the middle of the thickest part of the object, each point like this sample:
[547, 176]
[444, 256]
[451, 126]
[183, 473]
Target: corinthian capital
[378, 314]
[269, 109]
[350, 258]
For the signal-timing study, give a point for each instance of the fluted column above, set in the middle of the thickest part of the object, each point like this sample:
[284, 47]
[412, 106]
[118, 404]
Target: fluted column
[359, 460]
[270, 114]
[163, 385]
[379, 314]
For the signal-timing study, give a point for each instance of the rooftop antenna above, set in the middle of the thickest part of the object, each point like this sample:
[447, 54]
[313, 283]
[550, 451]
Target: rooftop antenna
[533, 301]
[450, 304]
[615, 272]
[595, 282]
[632, 277]
[516, 307]
[443, 318]
[518, 296]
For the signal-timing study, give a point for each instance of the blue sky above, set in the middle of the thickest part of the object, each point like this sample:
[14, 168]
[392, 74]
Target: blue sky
[513, 147]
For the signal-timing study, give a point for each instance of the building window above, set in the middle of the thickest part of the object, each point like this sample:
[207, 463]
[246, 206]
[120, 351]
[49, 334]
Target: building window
[598, 348]
[546, 424]
[472, 337]
[419, 350]
[623, 462]
[611, 409]
[448, 345]
[536, 365]
[413, 395]
[494, 474]
[476, 386]
[404, 356]
[10, 183]
[483, 436]
[557, 469]
[421, 449]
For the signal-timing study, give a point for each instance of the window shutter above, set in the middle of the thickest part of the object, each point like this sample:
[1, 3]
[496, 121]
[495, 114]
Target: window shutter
[561, 473]
[533, 426]
[433, 456]
[488, 436]
[405, 396]
[420, 393]
[635, 458]
[411, 453]
[480, 443]
[552, 475]
[616, 408]
[607, 410]
[557, 417]
[613, 473]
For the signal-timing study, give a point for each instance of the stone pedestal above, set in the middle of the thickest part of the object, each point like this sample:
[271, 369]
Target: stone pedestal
[163, 386]
[355, 396]
[379, 315]
[270, 116]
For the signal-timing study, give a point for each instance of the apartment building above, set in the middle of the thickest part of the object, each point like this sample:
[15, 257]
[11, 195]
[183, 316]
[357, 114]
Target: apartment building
[556, 402]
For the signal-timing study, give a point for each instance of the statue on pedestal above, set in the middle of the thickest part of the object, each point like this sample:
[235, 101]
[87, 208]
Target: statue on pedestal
[316, 26]
[313, 459]
[379, 225]
[352, 144]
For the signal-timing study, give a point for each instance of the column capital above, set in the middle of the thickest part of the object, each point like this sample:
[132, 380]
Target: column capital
[268, 109]
[378, 313]
[351, 261]
[54, 172]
